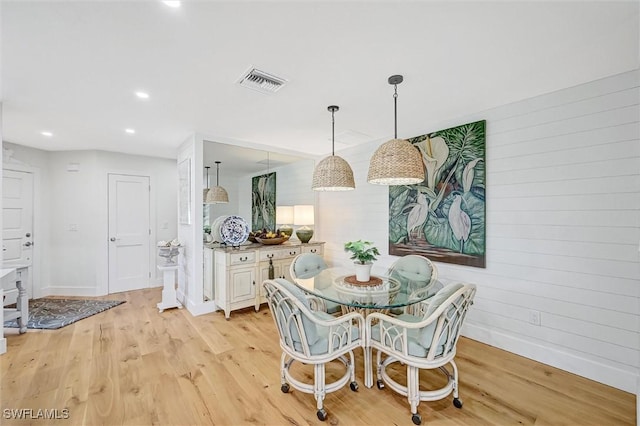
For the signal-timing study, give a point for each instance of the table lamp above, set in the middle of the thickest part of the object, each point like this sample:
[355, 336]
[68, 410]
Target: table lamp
[303, 216]
[284, 216]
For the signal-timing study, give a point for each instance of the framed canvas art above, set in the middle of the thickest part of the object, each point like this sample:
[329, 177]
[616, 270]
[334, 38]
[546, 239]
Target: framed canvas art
[263, 204]
[444, 217]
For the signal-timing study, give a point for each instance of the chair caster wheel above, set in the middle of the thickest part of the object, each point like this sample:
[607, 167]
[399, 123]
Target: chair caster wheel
[457, 403]
[416, 419]
[322, 414]
[353, 386]
[285, 388]
[380, 384]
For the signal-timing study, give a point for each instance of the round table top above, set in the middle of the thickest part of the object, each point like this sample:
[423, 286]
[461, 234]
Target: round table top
[382, 292]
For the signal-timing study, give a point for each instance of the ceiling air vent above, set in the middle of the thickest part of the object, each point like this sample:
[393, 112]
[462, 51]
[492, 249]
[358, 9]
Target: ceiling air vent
[261, 81]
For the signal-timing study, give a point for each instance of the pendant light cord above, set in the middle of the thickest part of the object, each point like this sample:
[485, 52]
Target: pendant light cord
[395, 112]
[333, 132]
[217, 173]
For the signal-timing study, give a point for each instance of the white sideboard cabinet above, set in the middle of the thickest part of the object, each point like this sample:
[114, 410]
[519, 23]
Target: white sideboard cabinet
[238, 273]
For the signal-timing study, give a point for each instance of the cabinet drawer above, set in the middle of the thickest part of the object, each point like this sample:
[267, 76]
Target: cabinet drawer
[273, 253]
[316, 249]
[244, 258]
[290, 252]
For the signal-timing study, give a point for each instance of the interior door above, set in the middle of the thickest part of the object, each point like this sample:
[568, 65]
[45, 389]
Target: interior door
[129, 232]
[17, 221]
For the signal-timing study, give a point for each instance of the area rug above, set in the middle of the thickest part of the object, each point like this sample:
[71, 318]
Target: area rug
[51, 314]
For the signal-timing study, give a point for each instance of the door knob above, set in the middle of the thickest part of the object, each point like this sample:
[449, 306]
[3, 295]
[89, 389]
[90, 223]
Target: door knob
[28, 244]
[28, 234]
[112, 239]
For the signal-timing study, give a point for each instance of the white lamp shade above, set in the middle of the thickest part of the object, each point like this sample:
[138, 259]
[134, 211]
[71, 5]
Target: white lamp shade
[303, 215]
[284, 215]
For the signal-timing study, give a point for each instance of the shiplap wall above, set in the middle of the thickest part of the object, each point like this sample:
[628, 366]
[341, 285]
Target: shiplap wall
[563, 228]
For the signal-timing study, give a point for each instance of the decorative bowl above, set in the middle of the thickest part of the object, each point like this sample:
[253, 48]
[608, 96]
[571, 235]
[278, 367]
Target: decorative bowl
[271, 241]
[169, 254]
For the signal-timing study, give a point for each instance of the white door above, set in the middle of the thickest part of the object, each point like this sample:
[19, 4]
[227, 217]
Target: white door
[17, 221]
[129, 232]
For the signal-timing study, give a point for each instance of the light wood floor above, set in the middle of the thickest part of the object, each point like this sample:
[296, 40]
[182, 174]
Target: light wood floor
[133, 365]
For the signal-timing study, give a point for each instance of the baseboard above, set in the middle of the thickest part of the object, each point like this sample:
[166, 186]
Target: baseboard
[606, 374]
[201, 308]
[3, 345]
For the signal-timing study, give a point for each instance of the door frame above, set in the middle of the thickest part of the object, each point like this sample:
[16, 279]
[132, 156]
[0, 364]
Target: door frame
[155, 280]
[35, 274]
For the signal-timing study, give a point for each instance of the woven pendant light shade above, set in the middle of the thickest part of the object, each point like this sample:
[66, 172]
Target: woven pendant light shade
[333, 173]
[217, 195]
[396, 162]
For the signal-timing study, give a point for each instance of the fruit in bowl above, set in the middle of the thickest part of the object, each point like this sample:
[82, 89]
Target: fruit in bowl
[271, 237]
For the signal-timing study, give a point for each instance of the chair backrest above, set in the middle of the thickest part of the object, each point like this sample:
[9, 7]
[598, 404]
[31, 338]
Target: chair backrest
[414, 272]
[445, 315]
[291, 313]
[307, 265]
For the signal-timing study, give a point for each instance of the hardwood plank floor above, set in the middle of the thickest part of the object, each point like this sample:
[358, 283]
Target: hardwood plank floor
[131, 365]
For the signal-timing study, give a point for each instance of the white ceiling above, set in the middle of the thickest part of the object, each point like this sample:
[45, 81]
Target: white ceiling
[72, 67]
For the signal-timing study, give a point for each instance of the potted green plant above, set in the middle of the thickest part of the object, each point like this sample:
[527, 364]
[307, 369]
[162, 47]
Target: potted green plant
[364, 253]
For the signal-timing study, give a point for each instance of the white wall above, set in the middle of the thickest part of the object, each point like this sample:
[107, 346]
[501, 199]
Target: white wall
[563, 227]
[190, 234]
[75, 263]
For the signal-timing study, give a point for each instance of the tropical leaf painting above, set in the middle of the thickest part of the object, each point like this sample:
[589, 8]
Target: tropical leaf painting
[443, 218]
[263, 203]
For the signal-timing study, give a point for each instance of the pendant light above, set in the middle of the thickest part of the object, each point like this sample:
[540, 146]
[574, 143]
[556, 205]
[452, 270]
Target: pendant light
[217, 194]
[206, 190]
[333, 173]
[396, 162]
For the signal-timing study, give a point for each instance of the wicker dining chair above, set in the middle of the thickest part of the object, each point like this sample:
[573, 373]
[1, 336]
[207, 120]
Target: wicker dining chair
[311, 337]
[308, 265]
[426, 342]
[415, 273]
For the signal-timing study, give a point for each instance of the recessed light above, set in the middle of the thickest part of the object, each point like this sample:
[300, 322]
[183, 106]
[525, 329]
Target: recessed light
[130, 131]
[142, 95]
[47, 134]
[172, 3]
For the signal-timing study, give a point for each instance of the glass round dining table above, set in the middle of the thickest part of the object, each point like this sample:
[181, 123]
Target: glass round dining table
[381, 294]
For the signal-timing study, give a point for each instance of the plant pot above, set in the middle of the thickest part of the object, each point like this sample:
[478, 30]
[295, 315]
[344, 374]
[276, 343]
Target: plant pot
[363, 271]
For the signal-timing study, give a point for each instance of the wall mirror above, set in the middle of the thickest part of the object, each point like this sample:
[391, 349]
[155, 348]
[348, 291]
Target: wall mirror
[238, 165]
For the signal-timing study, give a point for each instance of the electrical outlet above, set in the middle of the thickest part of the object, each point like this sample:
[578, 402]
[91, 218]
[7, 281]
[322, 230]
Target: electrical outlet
[534, 317]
